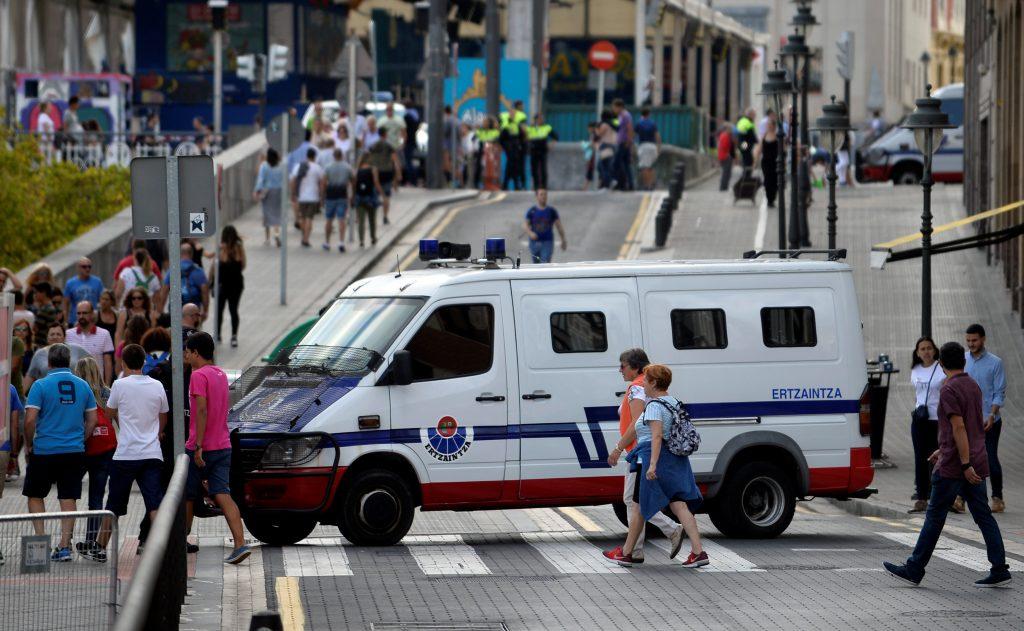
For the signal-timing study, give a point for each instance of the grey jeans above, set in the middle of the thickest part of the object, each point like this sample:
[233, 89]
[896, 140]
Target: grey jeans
[723, 184]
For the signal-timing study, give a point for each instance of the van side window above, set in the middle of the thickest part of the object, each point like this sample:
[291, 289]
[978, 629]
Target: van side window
[456, 341]
[698, 328]
[783, 327]
[579, 332]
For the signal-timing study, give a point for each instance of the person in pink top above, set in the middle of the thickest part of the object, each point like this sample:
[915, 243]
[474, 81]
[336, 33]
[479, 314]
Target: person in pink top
[208, 444]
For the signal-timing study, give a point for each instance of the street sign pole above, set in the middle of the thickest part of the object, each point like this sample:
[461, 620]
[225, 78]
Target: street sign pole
[177, 341]
[285, 197]
[600, 94]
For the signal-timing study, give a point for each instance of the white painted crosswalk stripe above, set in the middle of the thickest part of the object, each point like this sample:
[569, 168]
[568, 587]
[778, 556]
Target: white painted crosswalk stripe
[317, 557]
[954, 551]
[722, 559]
[445, 555]
[570, 553]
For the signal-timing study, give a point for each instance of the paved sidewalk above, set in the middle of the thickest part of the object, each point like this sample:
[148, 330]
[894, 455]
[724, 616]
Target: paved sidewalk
[965, 290]
[314, 276]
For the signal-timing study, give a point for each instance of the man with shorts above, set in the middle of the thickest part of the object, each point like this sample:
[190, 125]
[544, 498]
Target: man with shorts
[389, 169]
[208, 444]
[308, 186]
[138, 405]
[60, 413]
[337, 194]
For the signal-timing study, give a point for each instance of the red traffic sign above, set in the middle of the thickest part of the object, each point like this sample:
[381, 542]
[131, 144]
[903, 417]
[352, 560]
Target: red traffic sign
[603, 55]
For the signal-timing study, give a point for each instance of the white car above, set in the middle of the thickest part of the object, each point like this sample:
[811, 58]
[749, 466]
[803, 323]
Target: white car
[471, 386]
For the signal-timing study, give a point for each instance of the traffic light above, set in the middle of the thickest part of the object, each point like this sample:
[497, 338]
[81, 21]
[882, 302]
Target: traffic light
[259, 84]
[245, 67]
[277, 64]
[845, 55]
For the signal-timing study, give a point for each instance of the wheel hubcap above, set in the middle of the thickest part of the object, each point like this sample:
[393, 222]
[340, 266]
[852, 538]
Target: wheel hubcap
[763, 501]
[378, 509]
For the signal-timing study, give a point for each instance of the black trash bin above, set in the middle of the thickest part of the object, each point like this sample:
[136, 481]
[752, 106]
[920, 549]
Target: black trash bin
[880, 372]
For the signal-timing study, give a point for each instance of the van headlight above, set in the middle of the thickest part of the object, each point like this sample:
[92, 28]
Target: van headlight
[291, 452]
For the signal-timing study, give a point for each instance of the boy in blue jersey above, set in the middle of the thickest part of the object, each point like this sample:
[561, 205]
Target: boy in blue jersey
[60, 413]
[540, 224]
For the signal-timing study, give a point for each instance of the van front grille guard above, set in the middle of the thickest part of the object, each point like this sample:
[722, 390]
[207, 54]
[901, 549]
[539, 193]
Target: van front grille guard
[247, 451]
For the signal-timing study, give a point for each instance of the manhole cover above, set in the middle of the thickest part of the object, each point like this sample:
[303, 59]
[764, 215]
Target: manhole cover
[954, 613]
[438, 626]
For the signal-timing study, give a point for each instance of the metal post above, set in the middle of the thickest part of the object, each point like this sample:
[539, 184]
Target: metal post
[676, 65]
[780, 174]
[493, 50]
[794, 141]
[600, 94]
[658, 85]
[285, 196]
[177, 341]
[539, 11]
[455, 128]
[373, 54]
[846, 94]
[832, 218]
[926, 240]
[218, 83]
[435, 93]
[640, 43]
[113, 570]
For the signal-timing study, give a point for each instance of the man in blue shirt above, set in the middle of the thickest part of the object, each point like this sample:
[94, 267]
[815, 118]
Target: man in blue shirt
[85, 286]
[539, 225]
[60, 413]
[987, 370]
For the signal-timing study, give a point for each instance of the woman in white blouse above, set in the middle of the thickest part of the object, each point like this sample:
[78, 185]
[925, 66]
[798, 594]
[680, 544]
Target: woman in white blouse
[926, 376]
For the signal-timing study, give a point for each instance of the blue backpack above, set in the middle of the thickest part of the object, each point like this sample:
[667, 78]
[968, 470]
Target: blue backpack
[191, 288]
[152, 361]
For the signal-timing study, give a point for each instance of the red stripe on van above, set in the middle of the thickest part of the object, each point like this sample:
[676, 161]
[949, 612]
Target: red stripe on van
[832, 480]
[546, 492]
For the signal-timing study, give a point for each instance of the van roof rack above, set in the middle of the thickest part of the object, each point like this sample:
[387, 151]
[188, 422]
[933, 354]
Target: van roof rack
[833, 255]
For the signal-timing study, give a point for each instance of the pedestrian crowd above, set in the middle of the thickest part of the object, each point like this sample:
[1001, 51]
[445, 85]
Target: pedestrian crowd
[90, 394]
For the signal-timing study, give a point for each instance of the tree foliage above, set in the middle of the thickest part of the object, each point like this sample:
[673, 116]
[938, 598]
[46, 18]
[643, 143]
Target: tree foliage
[45, 206]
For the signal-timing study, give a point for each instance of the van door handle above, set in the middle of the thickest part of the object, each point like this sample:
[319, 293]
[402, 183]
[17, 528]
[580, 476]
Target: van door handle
[535, 396]
[618, 395]
[489, 397]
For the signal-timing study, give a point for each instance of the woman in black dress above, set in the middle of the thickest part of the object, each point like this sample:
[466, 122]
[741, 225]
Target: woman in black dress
[769, 157]
[230, 282]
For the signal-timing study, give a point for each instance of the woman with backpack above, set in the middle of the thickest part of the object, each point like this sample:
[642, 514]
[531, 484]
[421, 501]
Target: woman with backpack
[140, 275]
[663, 432]
[367, 197]
[99, 448]
[231, 282]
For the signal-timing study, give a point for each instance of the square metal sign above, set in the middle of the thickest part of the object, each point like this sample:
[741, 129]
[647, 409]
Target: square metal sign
[197, 201]
[35, 554]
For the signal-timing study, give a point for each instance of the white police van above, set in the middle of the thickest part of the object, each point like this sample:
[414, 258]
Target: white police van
[476, 386]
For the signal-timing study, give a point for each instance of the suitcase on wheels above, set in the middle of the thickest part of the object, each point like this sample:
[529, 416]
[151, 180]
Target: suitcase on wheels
[746, 187]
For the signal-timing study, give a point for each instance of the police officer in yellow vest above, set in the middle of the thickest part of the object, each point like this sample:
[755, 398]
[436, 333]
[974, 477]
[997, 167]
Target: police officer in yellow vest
[488, 135]
[537, 136]
[512, 132]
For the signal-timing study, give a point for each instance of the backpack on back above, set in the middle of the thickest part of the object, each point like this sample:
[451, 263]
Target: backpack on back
[141, 282]
[683, 438]
[191, 289]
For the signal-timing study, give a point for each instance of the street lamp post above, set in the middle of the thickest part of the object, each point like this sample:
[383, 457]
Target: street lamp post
[927, 122]
[803, 22]
[777, 87]
[796, 49]
[834, 125]
[926, 60]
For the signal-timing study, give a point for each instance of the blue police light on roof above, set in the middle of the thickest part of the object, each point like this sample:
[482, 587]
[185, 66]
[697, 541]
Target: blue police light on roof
[429, 249]
[494, 248]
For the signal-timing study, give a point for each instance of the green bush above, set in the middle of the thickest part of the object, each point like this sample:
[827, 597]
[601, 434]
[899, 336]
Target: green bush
[45, 206]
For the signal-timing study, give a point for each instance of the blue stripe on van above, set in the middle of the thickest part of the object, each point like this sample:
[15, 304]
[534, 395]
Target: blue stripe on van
[734, 409]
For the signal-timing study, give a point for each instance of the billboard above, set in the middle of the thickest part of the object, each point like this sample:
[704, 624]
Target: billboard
[467, 92]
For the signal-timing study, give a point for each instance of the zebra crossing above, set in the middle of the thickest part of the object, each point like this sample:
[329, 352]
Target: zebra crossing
[562, 549]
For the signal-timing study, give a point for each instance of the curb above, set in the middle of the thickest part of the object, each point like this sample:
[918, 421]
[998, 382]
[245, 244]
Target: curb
[864, 508]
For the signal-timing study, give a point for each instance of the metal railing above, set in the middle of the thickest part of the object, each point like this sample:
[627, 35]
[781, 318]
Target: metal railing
[38, 592]
[157, 589]
[101, 149]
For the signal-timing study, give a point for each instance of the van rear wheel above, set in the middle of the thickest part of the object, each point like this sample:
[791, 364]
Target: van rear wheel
[376, 509]
[757, 502]
[283, 530]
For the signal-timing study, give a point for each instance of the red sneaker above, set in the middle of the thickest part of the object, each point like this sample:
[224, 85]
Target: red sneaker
[616, 555]
[697, 560]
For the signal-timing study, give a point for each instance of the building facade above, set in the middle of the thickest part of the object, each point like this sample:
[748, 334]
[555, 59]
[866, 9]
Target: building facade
[994, 128]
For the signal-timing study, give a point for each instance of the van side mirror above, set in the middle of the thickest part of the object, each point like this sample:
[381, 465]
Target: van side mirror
[401, 368]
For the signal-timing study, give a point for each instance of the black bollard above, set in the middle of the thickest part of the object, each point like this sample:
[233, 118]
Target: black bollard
[662, 224]
[266, 621]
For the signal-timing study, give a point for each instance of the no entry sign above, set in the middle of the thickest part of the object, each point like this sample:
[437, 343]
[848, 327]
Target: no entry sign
[603, 55]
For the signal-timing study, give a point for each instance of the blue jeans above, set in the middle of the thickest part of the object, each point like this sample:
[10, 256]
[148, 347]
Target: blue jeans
[944, 491]
[995, 469]
[624, 167]
[542, 251]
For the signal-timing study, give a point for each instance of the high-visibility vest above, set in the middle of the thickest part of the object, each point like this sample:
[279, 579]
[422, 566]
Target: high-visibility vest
[744, 125]
[511, 123]
[487, 135]
[538, 132]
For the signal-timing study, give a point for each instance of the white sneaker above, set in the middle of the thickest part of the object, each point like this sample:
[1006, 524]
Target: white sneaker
[677, 542]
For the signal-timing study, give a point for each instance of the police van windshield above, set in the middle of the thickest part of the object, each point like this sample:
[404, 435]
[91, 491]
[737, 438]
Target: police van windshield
[371, 323]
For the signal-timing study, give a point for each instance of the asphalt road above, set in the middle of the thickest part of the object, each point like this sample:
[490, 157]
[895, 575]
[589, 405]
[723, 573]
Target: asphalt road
[596, 224]
[543, 569]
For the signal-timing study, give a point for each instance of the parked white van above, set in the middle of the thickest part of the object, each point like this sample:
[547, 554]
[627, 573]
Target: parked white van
[480, 386]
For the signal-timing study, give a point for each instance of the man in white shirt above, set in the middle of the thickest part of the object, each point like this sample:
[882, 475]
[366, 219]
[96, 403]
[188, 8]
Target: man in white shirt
[308, 186]
[138, 404]
[97, 341]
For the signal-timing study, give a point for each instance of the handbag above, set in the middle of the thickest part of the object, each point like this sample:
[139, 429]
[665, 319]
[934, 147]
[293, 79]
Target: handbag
[920, 413]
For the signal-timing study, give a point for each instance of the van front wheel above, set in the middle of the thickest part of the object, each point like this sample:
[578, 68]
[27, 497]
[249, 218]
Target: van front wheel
[376, 510]
[757, 502]
[279, 531]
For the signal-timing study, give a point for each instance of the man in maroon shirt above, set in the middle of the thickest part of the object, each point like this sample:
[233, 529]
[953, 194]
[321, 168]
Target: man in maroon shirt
[961, 466]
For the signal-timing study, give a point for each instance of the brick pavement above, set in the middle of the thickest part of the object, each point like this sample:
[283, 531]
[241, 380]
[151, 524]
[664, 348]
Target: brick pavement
[965, 290]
